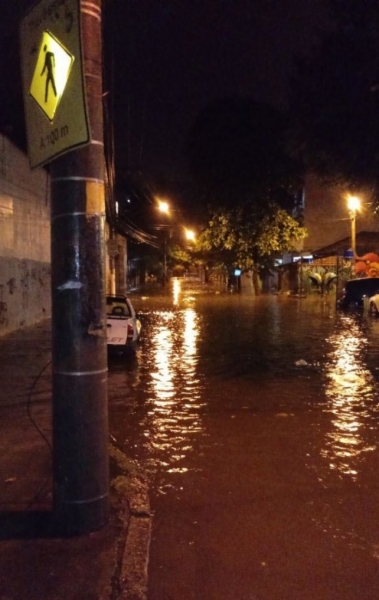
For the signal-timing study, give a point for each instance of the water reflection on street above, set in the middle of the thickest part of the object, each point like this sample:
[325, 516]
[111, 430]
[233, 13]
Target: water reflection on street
[351, 390]
[173, 388]
[256, 420]
[203, 351]
[170, 415]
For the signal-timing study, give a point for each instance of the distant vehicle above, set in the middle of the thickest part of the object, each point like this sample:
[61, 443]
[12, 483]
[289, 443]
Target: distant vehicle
[123, 324]
[356, 290]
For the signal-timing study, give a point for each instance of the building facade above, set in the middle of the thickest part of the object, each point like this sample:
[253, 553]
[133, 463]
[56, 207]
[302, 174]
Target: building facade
[24, 240]
[25, 261]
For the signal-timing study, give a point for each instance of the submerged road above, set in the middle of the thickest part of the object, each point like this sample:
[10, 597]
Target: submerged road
[257, 422]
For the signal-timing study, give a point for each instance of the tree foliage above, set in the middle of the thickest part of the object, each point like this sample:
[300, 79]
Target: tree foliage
[236, 239]
[238, 156]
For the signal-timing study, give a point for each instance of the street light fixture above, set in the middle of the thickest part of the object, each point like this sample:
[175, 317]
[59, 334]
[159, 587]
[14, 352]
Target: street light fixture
[163, 207]
[190, 234]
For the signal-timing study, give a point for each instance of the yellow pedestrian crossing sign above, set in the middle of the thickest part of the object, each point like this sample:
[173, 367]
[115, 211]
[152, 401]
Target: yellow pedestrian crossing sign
[53, 80]
[51, 74]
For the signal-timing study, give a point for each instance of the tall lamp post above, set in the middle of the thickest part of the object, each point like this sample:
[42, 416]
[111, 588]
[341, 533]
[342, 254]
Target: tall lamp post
[354, 205]
[190, 236]
[164, 208]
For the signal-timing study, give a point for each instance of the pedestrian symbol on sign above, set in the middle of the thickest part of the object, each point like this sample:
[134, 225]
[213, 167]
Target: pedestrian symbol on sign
[51, 74]
[49, 68]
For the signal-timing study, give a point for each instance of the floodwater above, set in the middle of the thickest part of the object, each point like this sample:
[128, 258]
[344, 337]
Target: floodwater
[257, 421]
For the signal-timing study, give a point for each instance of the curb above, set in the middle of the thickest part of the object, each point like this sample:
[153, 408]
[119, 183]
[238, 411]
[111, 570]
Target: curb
[130, 581]
[135, 562]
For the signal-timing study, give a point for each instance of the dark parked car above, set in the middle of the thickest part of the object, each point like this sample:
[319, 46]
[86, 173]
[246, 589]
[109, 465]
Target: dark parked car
[356, 290]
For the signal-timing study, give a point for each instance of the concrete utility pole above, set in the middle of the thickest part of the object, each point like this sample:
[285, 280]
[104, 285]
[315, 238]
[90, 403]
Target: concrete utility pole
[80, 413]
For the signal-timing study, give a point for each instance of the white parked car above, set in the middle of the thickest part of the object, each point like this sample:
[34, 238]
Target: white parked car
[374, 304]
[123, 324]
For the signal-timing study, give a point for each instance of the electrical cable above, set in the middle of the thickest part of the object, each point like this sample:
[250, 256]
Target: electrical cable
[28, 405]
[119, 221]
[136, 233]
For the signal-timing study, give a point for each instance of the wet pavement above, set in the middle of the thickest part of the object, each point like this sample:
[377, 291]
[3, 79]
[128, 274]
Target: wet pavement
[36, 561]
[257, 421]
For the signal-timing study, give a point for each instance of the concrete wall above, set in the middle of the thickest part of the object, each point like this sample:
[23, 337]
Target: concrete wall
[326, 215]
[115, 263]
[24, 241]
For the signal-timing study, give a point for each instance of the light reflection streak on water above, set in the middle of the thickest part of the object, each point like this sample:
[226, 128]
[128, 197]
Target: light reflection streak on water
[349, 388]
[174, 392]
[176, 290]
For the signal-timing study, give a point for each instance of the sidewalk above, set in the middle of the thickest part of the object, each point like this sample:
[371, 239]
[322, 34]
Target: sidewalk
[110, 564]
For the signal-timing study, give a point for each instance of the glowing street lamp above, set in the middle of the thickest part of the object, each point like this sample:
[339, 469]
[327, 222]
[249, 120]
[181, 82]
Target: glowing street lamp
[354, 205]
[190, 234]
[163, 207]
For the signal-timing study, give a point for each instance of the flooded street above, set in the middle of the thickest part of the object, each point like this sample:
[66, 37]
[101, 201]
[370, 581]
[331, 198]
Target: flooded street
[257, 421]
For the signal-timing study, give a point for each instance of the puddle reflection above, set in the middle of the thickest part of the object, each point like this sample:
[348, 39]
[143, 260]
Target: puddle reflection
[350, 390]
[176, 290]
[173, 388]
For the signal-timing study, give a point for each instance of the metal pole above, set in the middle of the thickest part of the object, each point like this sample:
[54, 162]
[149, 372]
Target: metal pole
[338, 277]
[165, 259]
[353, 240]
[80, 418]
[353, 234]
[112, 264]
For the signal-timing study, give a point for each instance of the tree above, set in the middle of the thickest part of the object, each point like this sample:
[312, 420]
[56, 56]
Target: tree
[238, 156]
[335, 98]
[236, 238]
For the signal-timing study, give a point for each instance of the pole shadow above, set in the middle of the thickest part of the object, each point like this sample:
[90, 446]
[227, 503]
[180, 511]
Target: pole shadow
[18, 525]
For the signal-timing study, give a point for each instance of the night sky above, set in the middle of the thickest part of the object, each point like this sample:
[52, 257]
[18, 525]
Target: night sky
[166, 60]
[174, 58]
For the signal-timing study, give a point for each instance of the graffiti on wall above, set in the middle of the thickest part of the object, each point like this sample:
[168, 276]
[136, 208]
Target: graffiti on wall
[24, 294]
[3, 308]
